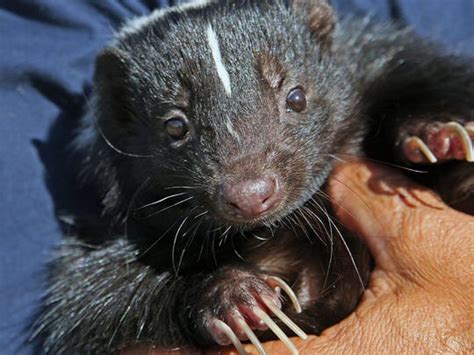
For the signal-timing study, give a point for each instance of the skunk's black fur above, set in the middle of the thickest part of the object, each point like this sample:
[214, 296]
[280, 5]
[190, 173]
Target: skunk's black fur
[136, 278]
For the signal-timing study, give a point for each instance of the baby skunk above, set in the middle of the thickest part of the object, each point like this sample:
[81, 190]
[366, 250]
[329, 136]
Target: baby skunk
[212, 130]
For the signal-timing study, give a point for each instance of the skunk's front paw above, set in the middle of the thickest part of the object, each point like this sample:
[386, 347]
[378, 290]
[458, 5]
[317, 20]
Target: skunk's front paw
[440, 141]
[241, 302]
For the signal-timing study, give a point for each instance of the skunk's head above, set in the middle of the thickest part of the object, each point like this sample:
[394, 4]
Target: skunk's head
[229, 109]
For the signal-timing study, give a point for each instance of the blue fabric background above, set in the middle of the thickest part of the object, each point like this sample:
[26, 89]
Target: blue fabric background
[47, 48]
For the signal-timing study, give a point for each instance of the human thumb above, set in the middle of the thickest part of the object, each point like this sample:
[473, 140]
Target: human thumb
[405, 226]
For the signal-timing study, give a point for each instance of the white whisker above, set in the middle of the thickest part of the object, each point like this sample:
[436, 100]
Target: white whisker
[169, 207]
[174, 245]
[160, 201]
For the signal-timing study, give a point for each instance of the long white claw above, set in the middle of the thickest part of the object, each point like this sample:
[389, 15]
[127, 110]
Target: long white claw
[284, 318]
[231, 335]
[470, 130]
[285, 287]
[276, 329]
[252, 337]
[466, 140]
[424, 149]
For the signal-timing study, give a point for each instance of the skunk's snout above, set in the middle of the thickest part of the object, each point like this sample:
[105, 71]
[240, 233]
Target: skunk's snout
[250, 199]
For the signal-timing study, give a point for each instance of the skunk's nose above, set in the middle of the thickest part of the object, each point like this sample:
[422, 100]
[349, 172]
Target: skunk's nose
[251, 198]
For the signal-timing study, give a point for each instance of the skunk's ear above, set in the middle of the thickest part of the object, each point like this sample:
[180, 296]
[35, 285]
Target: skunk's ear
[319, 16]
[112, 83]
[111, 67]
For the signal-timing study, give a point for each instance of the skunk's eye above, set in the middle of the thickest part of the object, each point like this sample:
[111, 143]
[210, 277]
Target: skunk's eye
[177, 128]
[296, 100]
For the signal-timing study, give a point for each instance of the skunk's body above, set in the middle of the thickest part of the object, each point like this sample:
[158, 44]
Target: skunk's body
[220, 72]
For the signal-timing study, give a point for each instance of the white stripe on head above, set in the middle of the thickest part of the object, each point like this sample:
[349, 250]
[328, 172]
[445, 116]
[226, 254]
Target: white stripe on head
[216, 55]
[231, 130]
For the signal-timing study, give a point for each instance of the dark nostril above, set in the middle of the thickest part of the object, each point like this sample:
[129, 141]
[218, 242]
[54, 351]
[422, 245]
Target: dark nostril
[251, 198]
[267, 198]
[233, 205]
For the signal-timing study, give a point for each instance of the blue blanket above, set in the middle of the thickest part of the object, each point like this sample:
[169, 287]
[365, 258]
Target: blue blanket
[47, 49]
